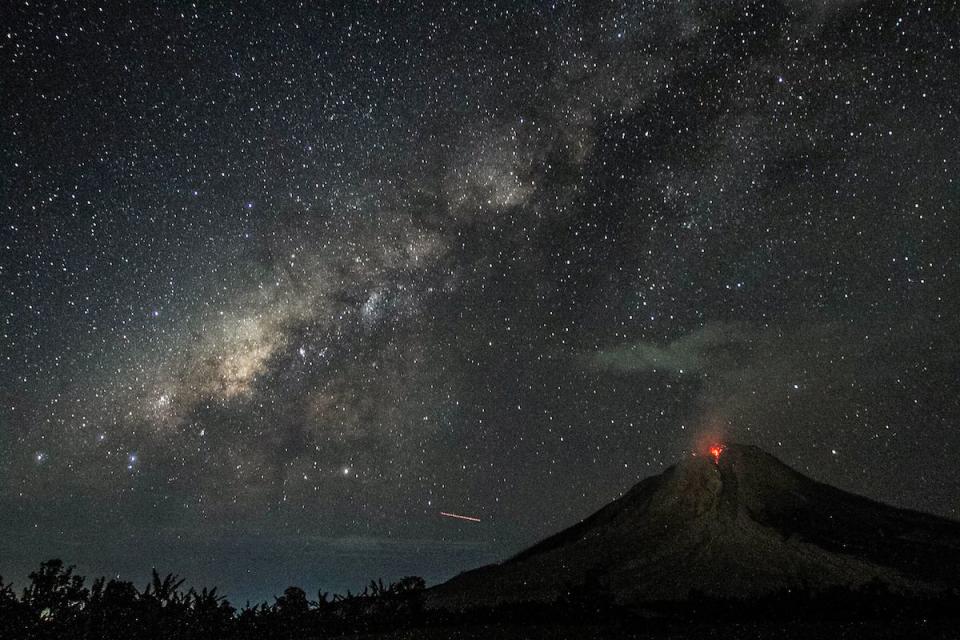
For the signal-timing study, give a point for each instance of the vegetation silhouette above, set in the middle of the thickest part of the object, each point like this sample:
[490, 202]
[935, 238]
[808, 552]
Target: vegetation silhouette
[56, 604]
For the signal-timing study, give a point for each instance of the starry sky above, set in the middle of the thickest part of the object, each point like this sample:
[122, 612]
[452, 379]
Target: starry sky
[281, 282]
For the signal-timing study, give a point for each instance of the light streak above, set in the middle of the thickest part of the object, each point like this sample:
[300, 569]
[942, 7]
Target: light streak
[460, 517]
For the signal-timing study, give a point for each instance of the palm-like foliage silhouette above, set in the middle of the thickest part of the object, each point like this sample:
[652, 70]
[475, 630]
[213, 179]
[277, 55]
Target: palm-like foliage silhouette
[56, 604]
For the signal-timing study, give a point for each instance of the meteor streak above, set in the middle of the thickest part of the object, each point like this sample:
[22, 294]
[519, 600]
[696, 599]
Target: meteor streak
[458, 516]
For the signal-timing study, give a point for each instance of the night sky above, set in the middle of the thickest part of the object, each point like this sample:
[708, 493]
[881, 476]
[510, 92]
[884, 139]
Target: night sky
[278, 285]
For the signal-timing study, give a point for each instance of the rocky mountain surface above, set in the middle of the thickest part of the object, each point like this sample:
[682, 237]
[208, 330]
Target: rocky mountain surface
[737, 523]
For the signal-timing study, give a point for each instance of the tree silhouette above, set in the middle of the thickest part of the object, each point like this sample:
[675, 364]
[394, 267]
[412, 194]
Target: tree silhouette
[165, 592]
[55, 594]
[56, 605]
[211, 615]
[14, 616]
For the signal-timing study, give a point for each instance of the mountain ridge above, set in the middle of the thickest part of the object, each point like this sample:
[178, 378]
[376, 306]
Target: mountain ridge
[739, 524]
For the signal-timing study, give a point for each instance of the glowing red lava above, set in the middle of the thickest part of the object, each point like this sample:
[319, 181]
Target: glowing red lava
[715, 451]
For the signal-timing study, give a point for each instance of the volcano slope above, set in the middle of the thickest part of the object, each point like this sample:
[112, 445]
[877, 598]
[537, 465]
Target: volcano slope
[741, 526]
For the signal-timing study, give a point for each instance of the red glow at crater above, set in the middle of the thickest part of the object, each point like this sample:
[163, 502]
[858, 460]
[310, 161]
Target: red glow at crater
[715, 451]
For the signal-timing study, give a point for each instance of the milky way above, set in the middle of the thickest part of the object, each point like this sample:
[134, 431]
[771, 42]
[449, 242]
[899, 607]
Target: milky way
[280, 285]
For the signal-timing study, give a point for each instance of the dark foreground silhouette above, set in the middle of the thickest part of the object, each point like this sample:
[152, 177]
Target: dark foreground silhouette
[735, 525]
[57, 603]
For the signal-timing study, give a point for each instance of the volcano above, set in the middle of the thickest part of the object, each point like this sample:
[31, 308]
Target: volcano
[735, 523]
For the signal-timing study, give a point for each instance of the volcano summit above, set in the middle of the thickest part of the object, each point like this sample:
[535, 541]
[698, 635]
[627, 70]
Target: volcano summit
[734, 524]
